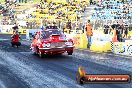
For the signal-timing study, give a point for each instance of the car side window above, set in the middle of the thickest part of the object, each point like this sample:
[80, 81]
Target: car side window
[43, 35]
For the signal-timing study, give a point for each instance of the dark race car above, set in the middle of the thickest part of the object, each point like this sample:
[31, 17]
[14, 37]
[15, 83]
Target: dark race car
[51, 41]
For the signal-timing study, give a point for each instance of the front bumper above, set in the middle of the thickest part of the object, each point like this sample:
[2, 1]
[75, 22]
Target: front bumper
[57, 49]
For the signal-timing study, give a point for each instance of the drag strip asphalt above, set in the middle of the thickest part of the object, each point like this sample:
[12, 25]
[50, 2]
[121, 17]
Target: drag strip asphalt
[19, 68]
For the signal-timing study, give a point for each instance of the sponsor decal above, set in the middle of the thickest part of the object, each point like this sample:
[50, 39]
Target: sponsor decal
[82, 77]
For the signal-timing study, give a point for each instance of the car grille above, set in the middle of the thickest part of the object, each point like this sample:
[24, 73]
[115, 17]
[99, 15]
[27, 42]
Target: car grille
[57, 44]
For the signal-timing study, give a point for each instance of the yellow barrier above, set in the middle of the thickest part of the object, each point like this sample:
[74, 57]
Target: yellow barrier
[101, 46]
[72, 17]
[35, 13]
[129, 33]
[80, 41]
[22, 31]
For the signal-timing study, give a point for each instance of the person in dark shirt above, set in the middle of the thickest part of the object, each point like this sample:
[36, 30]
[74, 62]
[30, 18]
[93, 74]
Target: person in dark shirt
[113, 26]
[125, 32]
[123, 1]
[117, 25]
[68, 25]
[106, 28]
[119, 32]
[15, 39]
[15, 28]
[91, 2]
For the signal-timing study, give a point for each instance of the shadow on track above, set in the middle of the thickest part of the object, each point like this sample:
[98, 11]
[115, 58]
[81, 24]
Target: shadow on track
[9, 80]
[6, 46]
[57, 57]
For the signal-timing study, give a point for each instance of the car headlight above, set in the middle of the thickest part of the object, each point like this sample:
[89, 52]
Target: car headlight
[69, 43]
[46, 45]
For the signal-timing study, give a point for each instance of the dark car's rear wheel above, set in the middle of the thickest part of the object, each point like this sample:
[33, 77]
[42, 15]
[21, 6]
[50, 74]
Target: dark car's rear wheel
[82, 80]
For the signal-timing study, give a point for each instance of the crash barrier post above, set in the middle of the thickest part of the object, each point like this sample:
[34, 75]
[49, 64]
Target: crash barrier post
[100, 46]
[122, 48]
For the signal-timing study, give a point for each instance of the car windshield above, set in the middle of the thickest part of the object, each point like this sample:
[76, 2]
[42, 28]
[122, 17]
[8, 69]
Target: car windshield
[47, 33]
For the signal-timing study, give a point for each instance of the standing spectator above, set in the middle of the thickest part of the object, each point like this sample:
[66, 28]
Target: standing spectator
[22, 1]
[118, 32]
[106, 29]
[122, 28]
[25, 1]
[123, 1]
[68, 25]
[15, 28]
[125, 33]
[88, 28]
[59, 23]
[19, 1]
[91, 2]
[117, 25]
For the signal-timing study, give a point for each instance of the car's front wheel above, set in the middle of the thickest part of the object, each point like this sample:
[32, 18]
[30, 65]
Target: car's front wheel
[33, 51]
[41, 54]
[69, 53]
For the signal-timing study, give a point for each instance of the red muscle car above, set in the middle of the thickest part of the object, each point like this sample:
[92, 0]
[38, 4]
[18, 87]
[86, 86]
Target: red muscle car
[51, 41]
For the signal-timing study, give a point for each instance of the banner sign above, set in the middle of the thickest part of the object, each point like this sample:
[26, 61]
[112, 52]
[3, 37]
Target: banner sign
[6, 28]
[30, 32]
[123, 48]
